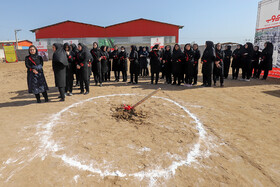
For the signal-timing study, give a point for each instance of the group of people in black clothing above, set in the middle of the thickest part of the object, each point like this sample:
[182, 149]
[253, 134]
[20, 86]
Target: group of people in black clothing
[177, 66]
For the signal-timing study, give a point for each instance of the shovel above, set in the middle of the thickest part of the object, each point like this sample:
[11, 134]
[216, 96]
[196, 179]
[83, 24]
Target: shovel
[128, 107]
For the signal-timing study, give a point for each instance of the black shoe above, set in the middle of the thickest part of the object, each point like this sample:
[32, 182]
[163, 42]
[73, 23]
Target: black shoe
[86, 93]
[59, 97]
[222, 85]
[214, 84]
[174, 83]
[82, 92]
[38, 101]
[96, 84]
[62, 99]
[47, 100]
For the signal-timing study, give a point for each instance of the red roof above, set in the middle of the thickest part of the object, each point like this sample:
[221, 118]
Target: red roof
[33, 30]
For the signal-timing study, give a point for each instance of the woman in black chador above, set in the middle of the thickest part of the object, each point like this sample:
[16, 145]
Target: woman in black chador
[177, 64]
[134, 65]
[84, 59]
[167, 56]
[59, 64]
[116, 63]
[207, 61]
[123, 63]
[109, 64]
[35, 75]
[196, 56]
[75, 51]
[155, 63]
[143, 55]
[247, 55]
[236, 61]
[104, 63]
[255, 61]
[227, 58]
[69, 69]
[266, 60]
[188, 64]
[219, 65]
[96, 64]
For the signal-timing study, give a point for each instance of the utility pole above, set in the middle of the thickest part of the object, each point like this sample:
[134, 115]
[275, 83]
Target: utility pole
[16, 31]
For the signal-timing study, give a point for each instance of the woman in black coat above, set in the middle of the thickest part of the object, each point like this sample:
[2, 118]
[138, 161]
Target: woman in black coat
[116, 63]
[247, 55]
[266, 61]
[143, 55]
[155, 63]
[219, 65]
[188, 64]
[69, 69]
[207, 61]
[236, 61]
[59, 64]
[196, 56]
[84, 59]
[167, 56]
[134, 65]
[123, 63]
[227, 58]
[177, 64]
[35, 75]
[109, 64]
[96, 64]
[104, 63]
[255, 61]
[75, 51]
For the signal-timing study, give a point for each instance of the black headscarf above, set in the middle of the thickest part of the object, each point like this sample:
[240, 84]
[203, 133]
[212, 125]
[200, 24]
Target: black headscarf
[216, 47]
[102, 48]
[167, 51]
[32, 55]
[85, 51]
[269, 48]
[74, 48]
[177, 51]
[185, 50]
[155, 47]
[66, 45]
[95, 49]
[209, 50]
[59, 56]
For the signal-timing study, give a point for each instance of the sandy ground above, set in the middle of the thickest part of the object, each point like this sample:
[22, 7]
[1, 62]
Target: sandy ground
[189, 136]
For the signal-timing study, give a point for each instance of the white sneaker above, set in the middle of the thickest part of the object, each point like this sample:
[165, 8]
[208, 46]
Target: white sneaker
[242, 79]
[247, 80]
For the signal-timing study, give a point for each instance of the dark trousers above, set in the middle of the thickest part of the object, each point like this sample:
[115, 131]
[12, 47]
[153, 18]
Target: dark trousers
[255, 67]
[153, 77]
[97, 77]
[78, 76]
[218, 72]
[136, 77]
[69, 81]
[168, 77]
[84, 80]
[175, 78]
[264, 75]
[117, 75]
[45, 95]
[246, 70]
[226, 68]
[108, 76]
[124, 74]
[61, 92]
[235, 72]
[195, 73]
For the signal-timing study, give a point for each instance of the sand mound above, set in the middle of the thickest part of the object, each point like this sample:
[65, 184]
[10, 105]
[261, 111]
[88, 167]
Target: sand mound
[134, 116]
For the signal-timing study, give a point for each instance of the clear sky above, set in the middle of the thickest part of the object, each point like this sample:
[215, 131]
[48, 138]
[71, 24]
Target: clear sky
[217, 20]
